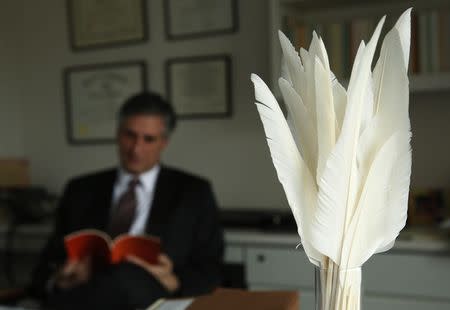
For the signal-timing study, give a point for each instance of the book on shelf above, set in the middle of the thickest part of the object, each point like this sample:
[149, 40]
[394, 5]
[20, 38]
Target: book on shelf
[335, 40]
[413, 58]
[301, 37]
[433, 35]
[360, 29]
[424, 61]
[104, 251]
[444, 40]
[433, 32]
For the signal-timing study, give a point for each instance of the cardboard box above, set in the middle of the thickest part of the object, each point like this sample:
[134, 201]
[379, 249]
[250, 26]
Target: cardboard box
[14, 173]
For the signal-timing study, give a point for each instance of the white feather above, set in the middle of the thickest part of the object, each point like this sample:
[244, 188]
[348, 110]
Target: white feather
[368, 109]
[382, 208]
[392, 43]
[285, 70]
[326, 119]
[292, 172]
[359, 55]
[324, 58]
[309, 93]
[320, 51]
[314, 47]
[403, 26]
[293, 63]
[397, 201]
[340, 102]
[391, 98]
[304, 132]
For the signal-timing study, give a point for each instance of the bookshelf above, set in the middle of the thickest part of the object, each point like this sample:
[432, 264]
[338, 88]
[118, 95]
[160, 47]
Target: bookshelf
[343, 23]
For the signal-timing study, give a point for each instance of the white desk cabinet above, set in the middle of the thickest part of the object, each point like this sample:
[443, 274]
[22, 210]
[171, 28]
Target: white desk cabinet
[409, 277]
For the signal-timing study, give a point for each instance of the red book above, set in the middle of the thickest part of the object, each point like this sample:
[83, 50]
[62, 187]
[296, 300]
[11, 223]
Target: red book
[99, 246]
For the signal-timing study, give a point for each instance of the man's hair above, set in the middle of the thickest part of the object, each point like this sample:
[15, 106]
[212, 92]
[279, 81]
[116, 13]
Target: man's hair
[150, 104]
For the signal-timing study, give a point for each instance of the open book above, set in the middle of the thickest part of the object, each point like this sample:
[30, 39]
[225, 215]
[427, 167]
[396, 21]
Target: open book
[99, 246]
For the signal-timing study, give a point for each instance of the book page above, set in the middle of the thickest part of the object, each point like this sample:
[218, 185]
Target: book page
[177, 304]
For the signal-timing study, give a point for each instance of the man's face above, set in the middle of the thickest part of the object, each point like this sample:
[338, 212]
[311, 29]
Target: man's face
[141, 140]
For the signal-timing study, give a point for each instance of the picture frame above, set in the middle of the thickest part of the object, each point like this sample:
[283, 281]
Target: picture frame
[93, 96]
[200, 86]
[186, 19]
[100, 24]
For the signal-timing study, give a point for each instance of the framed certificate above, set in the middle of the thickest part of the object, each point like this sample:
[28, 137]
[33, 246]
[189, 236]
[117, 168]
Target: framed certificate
[93, 96]
[99, 23]
[198, 18]
[200, 87]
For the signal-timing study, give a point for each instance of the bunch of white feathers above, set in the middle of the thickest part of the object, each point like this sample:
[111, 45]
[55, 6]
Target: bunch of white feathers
[343, 156]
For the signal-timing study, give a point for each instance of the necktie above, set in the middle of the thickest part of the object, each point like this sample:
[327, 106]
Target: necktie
[124, 212]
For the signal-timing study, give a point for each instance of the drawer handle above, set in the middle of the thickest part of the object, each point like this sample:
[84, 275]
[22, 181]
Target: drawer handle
[260, 258]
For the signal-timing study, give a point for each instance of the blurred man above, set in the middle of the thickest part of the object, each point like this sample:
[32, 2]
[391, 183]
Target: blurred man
[141, 196]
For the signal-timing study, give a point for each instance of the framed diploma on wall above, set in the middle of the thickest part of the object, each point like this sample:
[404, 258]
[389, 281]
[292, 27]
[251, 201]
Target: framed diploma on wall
[200, 87]
[199, 18]
[99, 23]
[93, 96]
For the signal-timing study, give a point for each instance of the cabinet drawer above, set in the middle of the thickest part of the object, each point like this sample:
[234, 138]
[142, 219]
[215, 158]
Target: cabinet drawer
[414, 274]
[288, 267]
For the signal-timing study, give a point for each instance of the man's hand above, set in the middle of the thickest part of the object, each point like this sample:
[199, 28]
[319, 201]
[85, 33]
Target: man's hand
[162, 271]
[74, 273]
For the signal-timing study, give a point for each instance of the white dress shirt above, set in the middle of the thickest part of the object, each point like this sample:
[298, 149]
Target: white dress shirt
[145, 191]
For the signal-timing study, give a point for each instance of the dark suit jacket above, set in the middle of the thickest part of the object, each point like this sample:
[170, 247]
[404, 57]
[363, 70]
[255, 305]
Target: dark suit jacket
[183, 214]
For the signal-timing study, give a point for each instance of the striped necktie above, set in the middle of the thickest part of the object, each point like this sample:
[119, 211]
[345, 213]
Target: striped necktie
[124, 211]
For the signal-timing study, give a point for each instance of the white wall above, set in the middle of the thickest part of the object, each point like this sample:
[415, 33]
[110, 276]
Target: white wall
[11, 120]
[232, 153]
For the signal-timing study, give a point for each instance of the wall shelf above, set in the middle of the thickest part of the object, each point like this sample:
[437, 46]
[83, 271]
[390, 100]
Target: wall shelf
[344, 10]
[431, 82]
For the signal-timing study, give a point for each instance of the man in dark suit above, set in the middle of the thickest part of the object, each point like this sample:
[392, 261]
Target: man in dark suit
[177, 207]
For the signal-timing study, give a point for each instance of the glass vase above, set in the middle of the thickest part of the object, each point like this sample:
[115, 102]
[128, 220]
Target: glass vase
[337, 289]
